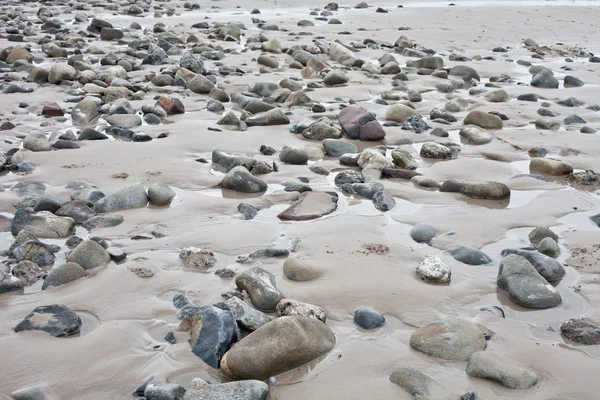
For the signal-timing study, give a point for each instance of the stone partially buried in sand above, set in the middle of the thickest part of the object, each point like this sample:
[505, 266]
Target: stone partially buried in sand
[360, 124]
[488, 365]
[261, 287]
[470, 256]
[160, 194]
[299, 270]
[550, 167]
[242, 390]
[450, 339]
[582, 331]
[89, 254]
[483, 120]
[64, 274]
[419, 385]
[486, 190]
[310, 205]
[131, 196]
[272, 117]
[241, 180]
[524, 285]
[279, 346]
[56, 319]
[42, 224]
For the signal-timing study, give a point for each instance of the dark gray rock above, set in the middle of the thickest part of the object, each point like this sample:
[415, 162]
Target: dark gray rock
[76, 209]
[383, 201]
[470, 256]
[348, 177]
[571, 81]
[241, 180]
[369, 319]
[103, 221]
[248, 210]
[261, 287]
[48, 202]
[247, 317]
[366, 190]
[524, 285]
[582, 331]
[547, 267]
[292, 155]
[545, 79]
[415, 123]
[56, 319]
[160, 194]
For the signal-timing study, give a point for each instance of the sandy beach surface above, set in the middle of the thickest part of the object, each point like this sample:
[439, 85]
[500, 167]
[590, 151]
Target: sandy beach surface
[363, 249]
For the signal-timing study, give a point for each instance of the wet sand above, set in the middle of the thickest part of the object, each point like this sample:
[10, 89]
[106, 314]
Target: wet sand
[127, 316]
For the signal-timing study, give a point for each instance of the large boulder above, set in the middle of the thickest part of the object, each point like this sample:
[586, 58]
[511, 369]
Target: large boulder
[279, 346]
[89, 254]
[524, 285]
[42, 224]
[56, 319]
[360, 124]
[450, 339]
[131, 196]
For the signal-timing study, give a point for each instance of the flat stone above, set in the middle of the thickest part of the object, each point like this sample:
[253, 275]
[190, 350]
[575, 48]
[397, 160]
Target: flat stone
[56, 319]
[242, 390]
[368, 319]
[488, 365]
[419, 385]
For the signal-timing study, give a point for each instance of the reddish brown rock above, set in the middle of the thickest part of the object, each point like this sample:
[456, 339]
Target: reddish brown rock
[52, 110]
[358, 123]
[310, 205]
[171, 105]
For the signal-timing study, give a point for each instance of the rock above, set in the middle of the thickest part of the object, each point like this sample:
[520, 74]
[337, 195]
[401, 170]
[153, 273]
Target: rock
[281, 345]
[30, 393]
[42, 224]
[372, 158]
[368, 319]
[241, 180]
[299, 270]
[172, 106]
[213, 330]
[36, 142]
[103, 221]
[261, 287]
[52, 110]
[427, 62]
[582, 331]
[341, 54]
[19, 53]
[191, 63]
[483, 120]
[197, 258]
[292, 155]
[547, 123]
[56, 319]
[35, 251]
[549, 247]
[84, 112]
[488, 365]
[475, 135]
[524, 285]
[124, 120]
[383, 201]
[438, 113]
[587, 178]
[403, 159]
[131, 196]
[550, 167]
[335, 77]
[465, 72]
[200, 85]
[544, 79]
[571, 81]
[450, 339]
[27, 271]
[271, 46]
[528, 97]
[547, 267]
[247, 317]
[486, 190]
[48, 202]
[160, 194]
[61, 72]
[456, 105]
[541, 232]
[415, 123]
[419, 385]
[432, 269]
[359, 124]
[470, 256]
[310, 205]
[435, 151]
[423, 233]
[497, 96]
[287, 307]
[574, 119]
[89, 254]
[64, 274]
[91, 134]
[272, 117]
[337, 147]
[76, 209]
[161, 390]
[399, 112]
[429, 183]
[246, 390]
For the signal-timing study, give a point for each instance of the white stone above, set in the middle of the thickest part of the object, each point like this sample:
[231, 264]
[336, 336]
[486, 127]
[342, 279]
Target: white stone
[432, 269]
